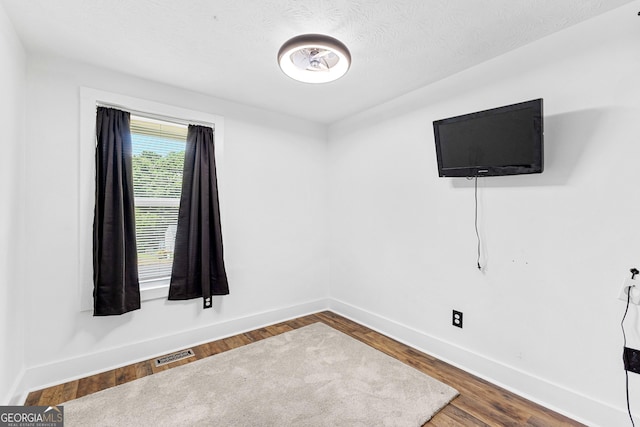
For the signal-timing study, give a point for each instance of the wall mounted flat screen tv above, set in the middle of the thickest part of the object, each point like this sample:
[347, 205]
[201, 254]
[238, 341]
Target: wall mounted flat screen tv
[501, 141]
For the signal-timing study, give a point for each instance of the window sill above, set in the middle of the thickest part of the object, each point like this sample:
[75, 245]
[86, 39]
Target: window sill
[151, 290]
[154, 289]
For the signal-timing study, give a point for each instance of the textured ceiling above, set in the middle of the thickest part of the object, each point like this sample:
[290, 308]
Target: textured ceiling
[228, 49]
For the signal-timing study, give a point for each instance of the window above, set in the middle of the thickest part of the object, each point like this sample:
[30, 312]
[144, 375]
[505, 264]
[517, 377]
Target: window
[157, 159]
[89, 98]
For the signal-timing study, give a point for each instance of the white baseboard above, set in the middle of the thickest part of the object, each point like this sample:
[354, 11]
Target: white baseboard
[58, 372]
[13, 393]
[553, 396]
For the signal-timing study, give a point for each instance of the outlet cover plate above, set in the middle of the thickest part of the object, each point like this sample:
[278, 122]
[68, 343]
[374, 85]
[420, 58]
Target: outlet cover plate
[456, 318]
[632, 285]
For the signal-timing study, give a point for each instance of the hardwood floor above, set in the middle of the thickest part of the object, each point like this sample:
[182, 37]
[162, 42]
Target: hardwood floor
[480, 403]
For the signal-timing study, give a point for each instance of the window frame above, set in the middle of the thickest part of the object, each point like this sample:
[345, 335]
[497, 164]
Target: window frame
[90, 99]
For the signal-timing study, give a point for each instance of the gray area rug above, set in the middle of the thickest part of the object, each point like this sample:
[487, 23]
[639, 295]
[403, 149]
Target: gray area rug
[313, 376]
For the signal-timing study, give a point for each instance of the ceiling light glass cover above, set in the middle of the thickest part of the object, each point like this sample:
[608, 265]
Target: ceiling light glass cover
[314, 58]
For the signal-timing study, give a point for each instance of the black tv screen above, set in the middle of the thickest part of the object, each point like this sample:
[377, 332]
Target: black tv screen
[501, 141]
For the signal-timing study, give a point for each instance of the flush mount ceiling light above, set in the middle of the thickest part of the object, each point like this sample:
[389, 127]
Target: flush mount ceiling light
[314, 58]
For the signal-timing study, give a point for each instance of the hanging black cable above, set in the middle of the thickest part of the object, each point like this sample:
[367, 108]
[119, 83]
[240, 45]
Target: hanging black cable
[476, 221]
[624, 339]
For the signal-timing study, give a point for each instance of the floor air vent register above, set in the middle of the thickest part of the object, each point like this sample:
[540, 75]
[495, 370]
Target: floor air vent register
[174, 357]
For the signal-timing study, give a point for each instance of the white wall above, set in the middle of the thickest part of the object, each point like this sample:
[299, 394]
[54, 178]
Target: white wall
[12, 88]
[543, 317]
[274, 207]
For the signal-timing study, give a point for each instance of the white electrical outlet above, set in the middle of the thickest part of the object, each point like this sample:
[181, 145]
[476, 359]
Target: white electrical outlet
[632, 287]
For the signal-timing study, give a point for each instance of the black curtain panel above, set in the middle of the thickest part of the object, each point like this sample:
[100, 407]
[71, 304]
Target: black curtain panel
[115, 262]
[198, 265]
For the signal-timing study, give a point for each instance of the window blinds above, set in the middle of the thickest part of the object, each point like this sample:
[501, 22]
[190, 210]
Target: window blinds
[157, 158]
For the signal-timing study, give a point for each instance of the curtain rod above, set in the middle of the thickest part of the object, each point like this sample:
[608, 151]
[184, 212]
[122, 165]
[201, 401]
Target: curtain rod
[174, 120]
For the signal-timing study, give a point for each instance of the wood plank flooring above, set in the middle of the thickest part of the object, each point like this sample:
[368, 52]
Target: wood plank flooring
[480, 403]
